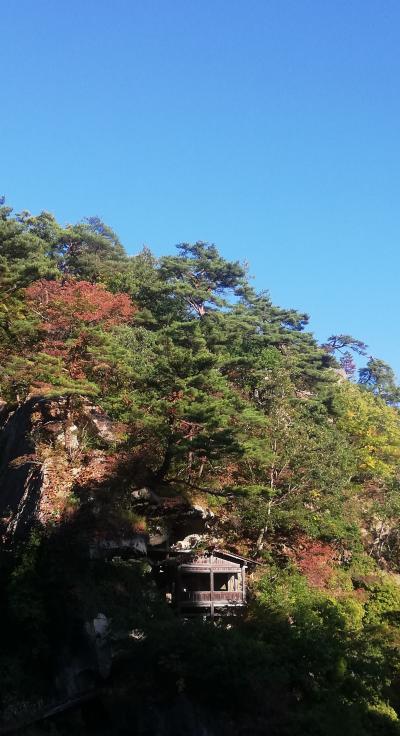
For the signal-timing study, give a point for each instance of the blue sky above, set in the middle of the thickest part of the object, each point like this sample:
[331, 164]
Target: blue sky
[270, 127]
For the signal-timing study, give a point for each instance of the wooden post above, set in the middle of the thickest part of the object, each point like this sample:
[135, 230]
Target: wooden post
[244, 583]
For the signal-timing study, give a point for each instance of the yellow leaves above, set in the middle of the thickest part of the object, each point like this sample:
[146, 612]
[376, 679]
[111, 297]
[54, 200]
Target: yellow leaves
[374, 431]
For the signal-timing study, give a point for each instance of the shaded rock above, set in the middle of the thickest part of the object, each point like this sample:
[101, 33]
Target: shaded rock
[159, 537]
[98, 630]
[145, 494]
[54, 429]
[21, 474]
[190, 521]
[136, 543]
[205, 514]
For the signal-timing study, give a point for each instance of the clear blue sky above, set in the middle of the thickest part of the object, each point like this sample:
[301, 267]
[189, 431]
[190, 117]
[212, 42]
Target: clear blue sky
[270, 127]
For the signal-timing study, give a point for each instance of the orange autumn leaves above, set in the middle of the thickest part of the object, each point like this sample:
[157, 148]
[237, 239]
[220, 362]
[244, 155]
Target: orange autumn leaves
[63, 304]
[68, 310]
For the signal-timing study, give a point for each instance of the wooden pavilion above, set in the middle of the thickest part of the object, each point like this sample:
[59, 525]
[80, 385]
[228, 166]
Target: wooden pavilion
[206, 581]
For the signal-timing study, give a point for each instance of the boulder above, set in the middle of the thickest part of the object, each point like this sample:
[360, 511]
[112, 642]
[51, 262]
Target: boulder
[99, 422]
[159, 537]
[205, 514]
[136, 544]
[145, 494]
[98, 631]
[189, 542]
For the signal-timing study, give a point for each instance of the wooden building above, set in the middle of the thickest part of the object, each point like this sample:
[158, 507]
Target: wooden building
[209, 580]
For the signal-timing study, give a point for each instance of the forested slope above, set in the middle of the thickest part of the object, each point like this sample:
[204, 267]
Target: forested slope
[172, 375]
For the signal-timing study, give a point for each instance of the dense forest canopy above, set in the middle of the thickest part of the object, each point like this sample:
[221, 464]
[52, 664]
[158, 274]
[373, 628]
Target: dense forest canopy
[221, 396]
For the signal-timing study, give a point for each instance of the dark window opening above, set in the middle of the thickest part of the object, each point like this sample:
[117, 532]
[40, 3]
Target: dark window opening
[225, 581]
[192, 581]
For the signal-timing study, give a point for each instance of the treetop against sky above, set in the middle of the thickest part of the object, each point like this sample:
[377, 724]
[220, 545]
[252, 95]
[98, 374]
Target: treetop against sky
[270, 129]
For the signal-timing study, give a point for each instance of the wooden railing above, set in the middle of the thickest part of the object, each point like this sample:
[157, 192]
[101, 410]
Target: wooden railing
[197, 596]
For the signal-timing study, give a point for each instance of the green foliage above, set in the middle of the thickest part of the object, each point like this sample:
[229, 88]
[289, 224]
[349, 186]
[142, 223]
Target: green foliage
[89, 250]
[379, 378]
[44, 374]
[221, 394]
[200, 276]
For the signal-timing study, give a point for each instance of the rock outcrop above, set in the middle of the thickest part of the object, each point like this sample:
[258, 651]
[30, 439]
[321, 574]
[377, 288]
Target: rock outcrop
[21, 473]
[34, 481]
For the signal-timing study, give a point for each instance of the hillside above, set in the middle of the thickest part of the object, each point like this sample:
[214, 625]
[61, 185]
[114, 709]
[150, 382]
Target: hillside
[159, 402]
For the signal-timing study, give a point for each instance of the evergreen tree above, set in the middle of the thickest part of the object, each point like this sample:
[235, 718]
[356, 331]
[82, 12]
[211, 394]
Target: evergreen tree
[90, 251]
[200, 276]
[379, 378]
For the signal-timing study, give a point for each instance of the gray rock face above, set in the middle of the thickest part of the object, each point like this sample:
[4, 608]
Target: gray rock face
[99, 422]
[57, 422]
[190, 542]
[21, 474]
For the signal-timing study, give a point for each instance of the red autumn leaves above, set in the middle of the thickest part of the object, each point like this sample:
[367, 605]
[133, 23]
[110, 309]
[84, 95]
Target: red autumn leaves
[63, 304]
[67, 310]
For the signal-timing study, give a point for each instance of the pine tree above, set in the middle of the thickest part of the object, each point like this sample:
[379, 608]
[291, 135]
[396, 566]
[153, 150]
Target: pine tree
[200, 276]
[90, 250]
[379, 378]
